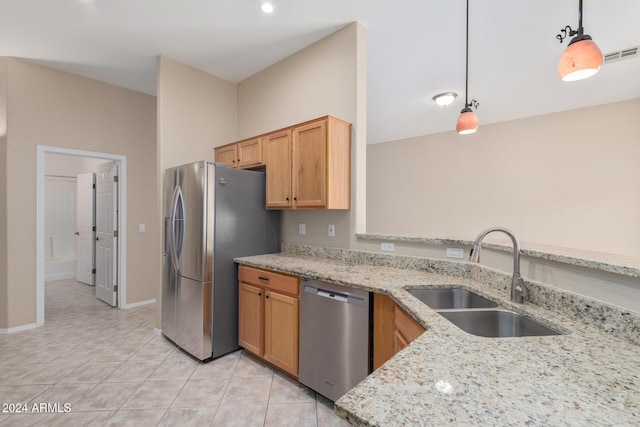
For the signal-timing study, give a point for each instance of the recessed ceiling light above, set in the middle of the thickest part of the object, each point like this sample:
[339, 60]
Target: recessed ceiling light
[444, 99]
[267, 7]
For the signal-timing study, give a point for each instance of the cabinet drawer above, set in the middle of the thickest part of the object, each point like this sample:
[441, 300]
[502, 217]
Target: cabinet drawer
[269, 279]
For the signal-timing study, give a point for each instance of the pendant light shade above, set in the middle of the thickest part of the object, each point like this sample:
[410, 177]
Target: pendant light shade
[581, 60]
[467, 122]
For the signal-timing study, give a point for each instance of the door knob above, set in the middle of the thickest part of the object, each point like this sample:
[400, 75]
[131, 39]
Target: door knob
[97, 238]
[77, 233]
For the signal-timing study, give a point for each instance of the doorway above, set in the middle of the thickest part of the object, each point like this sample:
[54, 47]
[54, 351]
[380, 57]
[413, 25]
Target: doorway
[120, 215]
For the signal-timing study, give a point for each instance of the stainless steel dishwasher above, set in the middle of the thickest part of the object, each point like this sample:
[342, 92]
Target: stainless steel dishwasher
[334, 337]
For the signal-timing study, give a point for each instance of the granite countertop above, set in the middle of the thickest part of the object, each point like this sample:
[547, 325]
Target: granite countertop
[625, 265]
[447, 376]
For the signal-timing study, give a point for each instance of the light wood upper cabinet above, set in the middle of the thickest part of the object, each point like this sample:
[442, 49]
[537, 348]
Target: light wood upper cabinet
[278, 157]
[250, 153]
[310, 165]
[315, 173]
[243, 154]
[228, 155]
[268, 316]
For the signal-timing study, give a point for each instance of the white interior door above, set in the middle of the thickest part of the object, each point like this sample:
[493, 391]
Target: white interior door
[107, 232]
[85, 220]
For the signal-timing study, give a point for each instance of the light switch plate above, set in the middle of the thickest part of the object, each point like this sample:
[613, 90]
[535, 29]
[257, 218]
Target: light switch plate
[142, 228]
[331, 230]
[302, 229]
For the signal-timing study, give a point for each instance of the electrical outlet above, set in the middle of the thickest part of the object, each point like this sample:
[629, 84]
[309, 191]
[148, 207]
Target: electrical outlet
[387, 247]
[331, 230]
[302, 229]
[455, 253]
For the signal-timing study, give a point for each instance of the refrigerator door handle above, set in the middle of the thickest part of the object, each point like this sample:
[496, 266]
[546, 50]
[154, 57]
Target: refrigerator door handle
[172, 228]
[180, 219]
[166, 245]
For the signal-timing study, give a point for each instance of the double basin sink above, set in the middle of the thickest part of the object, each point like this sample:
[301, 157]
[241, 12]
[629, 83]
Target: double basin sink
[478, 315]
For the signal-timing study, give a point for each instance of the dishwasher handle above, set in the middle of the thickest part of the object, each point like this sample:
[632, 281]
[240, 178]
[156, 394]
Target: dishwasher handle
[334, 296]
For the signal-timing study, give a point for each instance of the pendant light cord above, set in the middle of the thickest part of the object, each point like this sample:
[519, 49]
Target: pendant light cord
[466, 82]
[580, 29]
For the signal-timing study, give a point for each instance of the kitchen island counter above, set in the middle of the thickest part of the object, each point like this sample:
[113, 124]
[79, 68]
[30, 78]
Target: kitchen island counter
[446, 376]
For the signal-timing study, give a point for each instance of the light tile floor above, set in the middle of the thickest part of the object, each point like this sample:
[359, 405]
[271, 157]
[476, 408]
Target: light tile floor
[110, 369]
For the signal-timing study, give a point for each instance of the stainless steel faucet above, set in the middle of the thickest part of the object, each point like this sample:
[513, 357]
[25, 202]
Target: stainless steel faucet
[518, 290]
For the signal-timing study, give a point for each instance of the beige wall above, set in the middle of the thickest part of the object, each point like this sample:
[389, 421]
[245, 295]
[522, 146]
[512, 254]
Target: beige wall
[50, 107]
[568, 179]
[3, 191]
[196, 112]
[318, 80]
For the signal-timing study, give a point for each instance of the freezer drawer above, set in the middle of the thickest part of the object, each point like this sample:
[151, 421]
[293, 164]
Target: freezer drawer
[193, 317]
[334, 337]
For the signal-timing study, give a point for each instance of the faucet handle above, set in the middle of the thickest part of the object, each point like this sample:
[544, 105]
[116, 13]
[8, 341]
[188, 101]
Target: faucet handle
[474, 253]
[518, 290]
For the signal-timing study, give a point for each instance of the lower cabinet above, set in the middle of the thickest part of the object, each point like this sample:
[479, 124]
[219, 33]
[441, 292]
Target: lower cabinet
[407, 329]
[393, 329]
[251, 318]
[269, 315]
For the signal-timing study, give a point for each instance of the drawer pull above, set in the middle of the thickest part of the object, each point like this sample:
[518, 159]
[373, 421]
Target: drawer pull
[266, 279]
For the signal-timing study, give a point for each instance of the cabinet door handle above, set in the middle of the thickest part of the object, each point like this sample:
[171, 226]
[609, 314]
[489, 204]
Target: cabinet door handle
[259, 294]
[295, 199]
[267, 296]
[287, 199]
[266, 279]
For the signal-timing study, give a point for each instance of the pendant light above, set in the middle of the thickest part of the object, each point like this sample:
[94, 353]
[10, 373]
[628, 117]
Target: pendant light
[467, 122]
[582, 58]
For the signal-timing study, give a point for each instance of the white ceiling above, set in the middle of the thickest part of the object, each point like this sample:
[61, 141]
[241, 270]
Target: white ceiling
[415, 49]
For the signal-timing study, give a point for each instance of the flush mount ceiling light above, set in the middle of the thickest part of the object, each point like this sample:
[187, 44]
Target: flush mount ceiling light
[267, 7]
[582, 58]
[445, 99]
[467, 122]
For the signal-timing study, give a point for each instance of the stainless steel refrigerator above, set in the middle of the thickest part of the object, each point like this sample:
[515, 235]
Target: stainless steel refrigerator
[212, 215]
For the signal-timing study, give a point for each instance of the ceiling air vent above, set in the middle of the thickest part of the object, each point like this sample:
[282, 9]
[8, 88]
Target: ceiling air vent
[619, 55]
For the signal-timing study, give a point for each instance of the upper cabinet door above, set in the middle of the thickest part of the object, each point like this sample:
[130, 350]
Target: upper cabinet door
[278, 175]
[227, 155]
[310, 165]
[250, 153]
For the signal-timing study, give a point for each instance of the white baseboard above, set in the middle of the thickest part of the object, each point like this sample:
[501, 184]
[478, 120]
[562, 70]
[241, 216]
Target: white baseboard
[18, 329]
[138, 304]
[157, 331]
